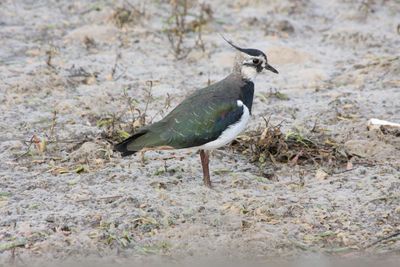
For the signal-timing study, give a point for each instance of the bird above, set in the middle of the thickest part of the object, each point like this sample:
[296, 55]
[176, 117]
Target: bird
[210, 117]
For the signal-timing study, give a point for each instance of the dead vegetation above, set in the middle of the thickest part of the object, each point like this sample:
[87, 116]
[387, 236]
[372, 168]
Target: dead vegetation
[270, 144]
[79, 75]
[127, 15]
[116, 127]
[182, 23]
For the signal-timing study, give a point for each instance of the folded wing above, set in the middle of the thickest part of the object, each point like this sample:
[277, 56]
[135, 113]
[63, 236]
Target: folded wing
[188, 125]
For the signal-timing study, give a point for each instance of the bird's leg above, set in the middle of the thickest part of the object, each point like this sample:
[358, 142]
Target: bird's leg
[206, 171]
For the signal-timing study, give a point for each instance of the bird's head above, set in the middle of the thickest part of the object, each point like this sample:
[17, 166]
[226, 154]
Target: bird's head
[250, 62]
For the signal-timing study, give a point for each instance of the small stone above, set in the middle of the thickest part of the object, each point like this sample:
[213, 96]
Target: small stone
[321, 175]
[397, 210]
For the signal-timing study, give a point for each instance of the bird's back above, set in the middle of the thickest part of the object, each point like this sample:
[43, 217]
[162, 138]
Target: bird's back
[228, 88]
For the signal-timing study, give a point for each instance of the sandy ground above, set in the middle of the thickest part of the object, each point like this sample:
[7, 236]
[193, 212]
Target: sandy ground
[69, 69]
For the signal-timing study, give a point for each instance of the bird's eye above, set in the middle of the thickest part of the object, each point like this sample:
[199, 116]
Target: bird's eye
[256, 61]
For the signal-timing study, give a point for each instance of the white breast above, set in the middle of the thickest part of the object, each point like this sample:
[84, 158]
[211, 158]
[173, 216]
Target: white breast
[231, 132]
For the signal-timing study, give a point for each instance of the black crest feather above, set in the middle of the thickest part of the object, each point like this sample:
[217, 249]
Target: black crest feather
[249, 51]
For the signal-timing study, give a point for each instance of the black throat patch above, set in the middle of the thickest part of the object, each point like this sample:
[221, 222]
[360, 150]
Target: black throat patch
[247, 94]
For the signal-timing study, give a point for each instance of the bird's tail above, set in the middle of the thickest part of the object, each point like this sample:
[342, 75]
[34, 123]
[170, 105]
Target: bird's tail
[146, 138]
[126, 148]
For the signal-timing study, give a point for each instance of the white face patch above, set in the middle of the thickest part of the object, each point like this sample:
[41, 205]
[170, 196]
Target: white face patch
[249, 72]
[249, 67]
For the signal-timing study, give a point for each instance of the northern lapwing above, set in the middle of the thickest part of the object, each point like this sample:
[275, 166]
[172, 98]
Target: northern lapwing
[209, 118]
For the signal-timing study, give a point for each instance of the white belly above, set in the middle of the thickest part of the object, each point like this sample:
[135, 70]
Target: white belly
[231, 132]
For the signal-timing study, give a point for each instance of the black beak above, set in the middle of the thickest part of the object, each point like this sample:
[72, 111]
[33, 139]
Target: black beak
[270, 68]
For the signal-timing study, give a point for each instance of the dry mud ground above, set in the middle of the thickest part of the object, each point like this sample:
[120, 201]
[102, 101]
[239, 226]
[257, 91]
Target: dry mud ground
[76, 74]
